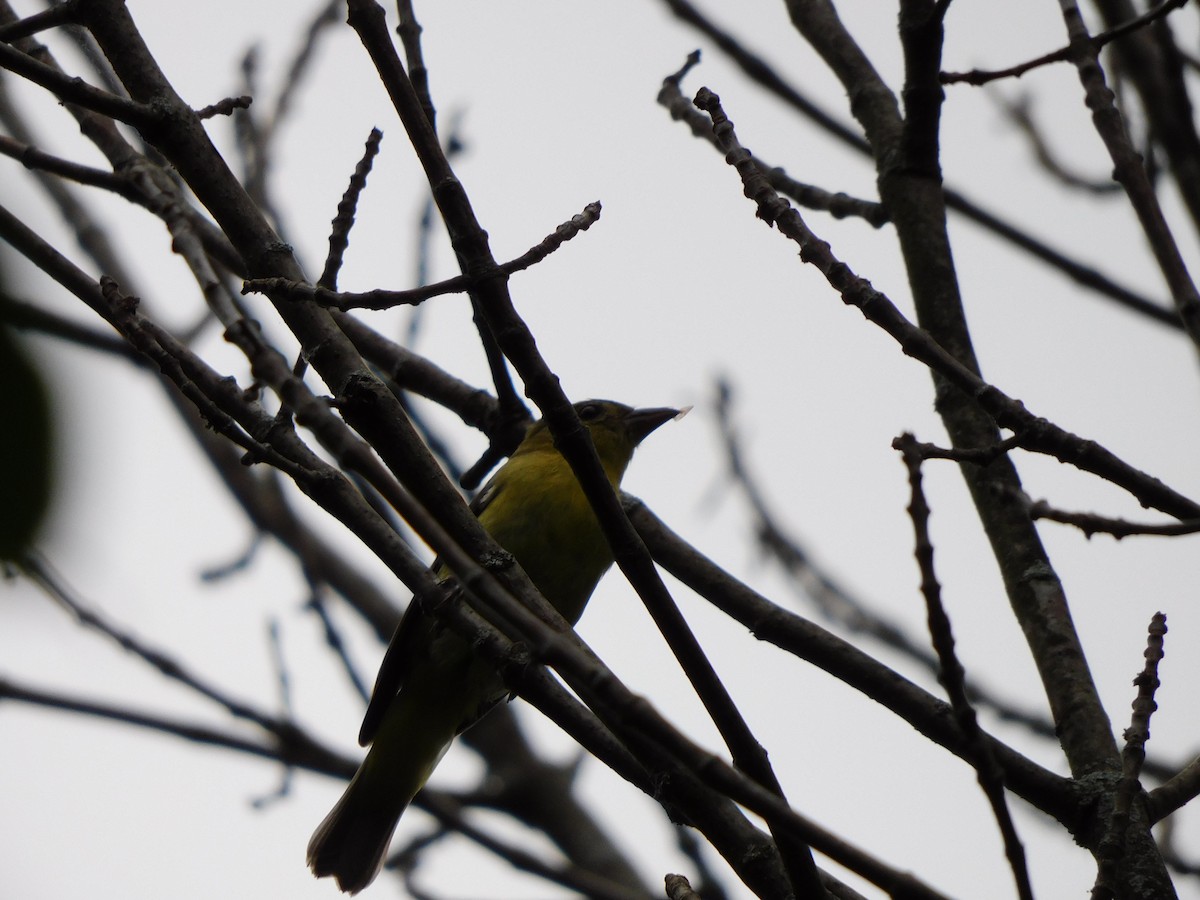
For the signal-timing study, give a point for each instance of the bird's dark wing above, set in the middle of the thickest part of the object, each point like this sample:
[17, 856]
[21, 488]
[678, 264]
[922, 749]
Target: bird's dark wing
[412, 635]
[412, 632]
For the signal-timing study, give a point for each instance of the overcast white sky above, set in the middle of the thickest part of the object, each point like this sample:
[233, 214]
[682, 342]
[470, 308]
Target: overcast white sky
[557, 105]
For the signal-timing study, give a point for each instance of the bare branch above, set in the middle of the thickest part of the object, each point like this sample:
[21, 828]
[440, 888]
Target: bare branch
[57, 15]
[1130, 172]
[1035, 433]
[762, 73]
[832, 599]
[74, 90]
[1176, 793]
[295, 748]
[769, 622]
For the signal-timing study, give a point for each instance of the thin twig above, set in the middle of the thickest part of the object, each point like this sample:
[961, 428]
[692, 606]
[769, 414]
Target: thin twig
[239, 563]
[335, 641]
[41, 573]
[325, 19]
[284, 680]
[980, 456]
[423, 240]
[33, 158]
[381, 299]
[293, 746]
[953, 676]
[23, 314]
[979, 77]
[1090, 523]
[678, 888]
[89, 232]
[1019, 112]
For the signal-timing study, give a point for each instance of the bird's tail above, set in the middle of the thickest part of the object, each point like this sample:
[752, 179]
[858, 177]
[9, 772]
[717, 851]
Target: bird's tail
[350, 844]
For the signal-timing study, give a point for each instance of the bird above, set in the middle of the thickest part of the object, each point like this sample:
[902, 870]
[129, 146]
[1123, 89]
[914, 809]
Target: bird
[431, 686]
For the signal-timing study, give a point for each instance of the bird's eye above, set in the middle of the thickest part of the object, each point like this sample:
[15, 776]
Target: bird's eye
[590, 412]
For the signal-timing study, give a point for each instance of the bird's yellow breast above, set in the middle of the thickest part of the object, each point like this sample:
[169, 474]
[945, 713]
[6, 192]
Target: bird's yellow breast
[541, 516]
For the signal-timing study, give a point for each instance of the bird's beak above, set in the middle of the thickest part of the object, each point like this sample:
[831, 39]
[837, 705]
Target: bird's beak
[641, 422]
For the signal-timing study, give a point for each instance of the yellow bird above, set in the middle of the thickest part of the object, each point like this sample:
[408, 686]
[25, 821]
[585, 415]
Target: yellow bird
[430, 686]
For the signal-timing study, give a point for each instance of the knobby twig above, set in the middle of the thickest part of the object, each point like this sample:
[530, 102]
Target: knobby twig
[839, 205]
[284, 289]
[1112, 846]
[953, 676]
[224, 107]
[763, 74]
[339, 235]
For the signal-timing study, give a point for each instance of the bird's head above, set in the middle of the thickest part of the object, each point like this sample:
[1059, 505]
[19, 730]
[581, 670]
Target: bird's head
[616, 430]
